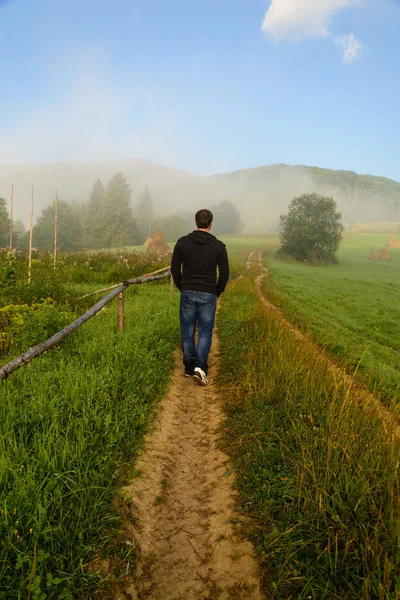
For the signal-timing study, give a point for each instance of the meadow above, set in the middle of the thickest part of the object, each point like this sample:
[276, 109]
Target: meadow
[31, 313]
[239, 248]
[318, 476]
[71, 424]
[352, 308]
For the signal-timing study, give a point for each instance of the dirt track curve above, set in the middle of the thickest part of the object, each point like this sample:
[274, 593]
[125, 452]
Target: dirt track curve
[360, 392]
[184, 502]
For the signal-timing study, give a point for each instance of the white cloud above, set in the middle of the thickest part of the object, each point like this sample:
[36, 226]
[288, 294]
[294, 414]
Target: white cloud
[302, 18]
[350, 47]
[298, 19]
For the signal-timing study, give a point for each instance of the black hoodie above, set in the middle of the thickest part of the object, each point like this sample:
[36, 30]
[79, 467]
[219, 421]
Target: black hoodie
[199, 254]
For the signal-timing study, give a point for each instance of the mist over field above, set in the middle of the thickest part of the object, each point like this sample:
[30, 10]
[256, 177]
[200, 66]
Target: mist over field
[261, 194]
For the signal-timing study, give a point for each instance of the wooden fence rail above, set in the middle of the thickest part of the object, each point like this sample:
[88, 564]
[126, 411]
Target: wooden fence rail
[25, 358]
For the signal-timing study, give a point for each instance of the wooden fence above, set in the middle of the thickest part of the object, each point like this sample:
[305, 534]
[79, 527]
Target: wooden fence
[117, 290]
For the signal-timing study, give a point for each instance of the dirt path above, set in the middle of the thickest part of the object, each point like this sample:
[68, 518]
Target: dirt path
[184, 502]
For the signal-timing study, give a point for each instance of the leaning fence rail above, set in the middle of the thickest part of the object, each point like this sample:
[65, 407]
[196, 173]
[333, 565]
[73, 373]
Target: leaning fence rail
[25, 358]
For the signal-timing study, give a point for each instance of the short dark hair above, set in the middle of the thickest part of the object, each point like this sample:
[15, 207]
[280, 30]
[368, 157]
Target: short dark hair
[203, 218]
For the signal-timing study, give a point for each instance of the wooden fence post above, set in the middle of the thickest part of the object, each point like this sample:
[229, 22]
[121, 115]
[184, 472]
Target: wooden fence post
[11, 220]
[121, 314]
[30, 239]
[55, 228]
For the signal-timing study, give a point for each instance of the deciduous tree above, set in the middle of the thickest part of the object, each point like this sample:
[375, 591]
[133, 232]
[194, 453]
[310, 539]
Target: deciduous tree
[174, 227]
[69, 229]
[226, 218]
[19, 232]
[312, 228]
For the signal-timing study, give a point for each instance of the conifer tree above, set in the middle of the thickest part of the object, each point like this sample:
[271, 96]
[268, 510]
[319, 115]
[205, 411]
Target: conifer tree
[145, 220]
[95, 217]
[4, 223]
[118, 226]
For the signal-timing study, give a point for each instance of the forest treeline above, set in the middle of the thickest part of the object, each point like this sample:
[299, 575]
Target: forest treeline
[107, 220]
[267, 191]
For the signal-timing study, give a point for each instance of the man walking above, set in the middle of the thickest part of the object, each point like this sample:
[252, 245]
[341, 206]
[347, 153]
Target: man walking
[194, 265]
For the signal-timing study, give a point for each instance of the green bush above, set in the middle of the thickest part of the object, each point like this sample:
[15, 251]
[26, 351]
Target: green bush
[23, 326]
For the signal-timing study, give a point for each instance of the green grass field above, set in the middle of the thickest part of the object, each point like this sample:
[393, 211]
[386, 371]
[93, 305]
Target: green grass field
[318, 477]
[71, 424]
[352, 308]
[239, 247]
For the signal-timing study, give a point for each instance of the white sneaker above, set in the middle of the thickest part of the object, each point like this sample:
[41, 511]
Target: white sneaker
[200, 377]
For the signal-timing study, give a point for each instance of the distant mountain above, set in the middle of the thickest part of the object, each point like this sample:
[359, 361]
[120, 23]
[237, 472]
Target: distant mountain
[261, 194]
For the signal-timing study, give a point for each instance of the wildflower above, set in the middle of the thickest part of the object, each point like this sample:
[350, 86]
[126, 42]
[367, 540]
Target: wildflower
[30, 530]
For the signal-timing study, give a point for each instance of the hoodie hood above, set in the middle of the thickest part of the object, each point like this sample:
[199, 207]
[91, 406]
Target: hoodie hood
[202, 237]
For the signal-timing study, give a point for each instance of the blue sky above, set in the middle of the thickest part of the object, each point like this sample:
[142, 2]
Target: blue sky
[208, 86]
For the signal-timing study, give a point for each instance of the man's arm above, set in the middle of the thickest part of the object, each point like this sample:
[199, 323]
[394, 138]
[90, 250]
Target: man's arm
[223, 271]
[176, 263]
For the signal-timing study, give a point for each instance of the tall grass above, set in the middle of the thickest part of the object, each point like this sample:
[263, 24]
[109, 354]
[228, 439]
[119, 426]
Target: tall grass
[70, 424]
[100, 266]
[319, 476]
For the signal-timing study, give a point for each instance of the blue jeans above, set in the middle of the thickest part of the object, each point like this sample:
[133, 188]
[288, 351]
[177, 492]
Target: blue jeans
[197, 307]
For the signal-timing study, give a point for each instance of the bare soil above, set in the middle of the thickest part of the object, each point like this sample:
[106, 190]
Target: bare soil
[185, 505]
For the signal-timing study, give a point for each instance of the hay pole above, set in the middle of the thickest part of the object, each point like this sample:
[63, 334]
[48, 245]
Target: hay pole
[117, 284]
[11, 219]
[121, 313]
[55, 228]
[30, 239]
[26, 358]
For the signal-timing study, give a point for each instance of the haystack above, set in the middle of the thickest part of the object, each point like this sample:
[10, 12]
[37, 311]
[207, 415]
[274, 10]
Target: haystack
[158, 234]
[383, 254]
[147, 242]
[393, 242]
[157, 244]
